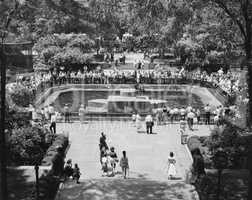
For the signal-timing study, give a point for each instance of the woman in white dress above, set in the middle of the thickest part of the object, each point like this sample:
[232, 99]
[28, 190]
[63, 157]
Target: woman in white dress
[171, 166]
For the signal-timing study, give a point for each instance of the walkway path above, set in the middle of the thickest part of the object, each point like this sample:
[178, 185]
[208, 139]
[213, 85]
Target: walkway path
[147, 158]
[147, 153]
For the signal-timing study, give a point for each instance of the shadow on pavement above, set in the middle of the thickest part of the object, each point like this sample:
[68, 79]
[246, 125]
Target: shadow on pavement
[19, 185]
[123, 189]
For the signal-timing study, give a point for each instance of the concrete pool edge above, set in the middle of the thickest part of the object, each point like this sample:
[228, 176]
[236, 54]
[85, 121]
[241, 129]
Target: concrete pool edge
[51, 94]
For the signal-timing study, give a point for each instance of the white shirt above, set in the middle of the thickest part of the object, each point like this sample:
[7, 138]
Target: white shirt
[190, 115]
[207, 109]
[133, 117]
[189, 109]
[51, 109]
[53, 118]
[182, 111]
[148, 118]
[175, 111]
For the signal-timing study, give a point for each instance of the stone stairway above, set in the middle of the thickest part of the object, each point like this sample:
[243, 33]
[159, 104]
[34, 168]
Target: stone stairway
[126, 189]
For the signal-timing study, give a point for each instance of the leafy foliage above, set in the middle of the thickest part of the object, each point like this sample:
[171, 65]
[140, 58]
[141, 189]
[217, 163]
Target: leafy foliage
[229, 140]
[63, 50]
[22, 96]
[27, 145]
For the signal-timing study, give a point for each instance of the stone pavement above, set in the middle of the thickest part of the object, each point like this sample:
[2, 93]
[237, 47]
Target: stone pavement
[147, 159]
[128, 189]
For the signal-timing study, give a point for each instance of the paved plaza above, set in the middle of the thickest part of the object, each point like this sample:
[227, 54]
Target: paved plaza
[147, 159]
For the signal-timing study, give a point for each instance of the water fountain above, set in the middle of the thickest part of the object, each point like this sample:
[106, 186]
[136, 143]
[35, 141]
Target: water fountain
[128, 101]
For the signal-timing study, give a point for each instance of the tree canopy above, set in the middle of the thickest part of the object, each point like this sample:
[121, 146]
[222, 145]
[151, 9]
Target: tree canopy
[63, 50]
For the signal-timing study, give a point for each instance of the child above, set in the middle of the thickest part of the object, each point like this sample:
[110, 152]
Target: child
[68, 170]
[171, 166]
[113, 155]
[124, 163]
[76, 173]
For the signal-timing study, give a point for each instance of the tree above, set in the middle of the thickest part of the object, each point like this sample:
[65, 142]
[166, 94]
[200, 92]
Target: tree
[239, 12]
[37, 18]
[228, 139]
[161, 21]
[22, 96]
[66, 50]
[27, 145]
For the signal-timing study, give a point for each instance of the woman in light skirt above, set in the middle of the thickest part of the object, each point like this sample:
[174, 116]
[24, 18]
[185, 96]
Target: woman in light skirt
[172, 172]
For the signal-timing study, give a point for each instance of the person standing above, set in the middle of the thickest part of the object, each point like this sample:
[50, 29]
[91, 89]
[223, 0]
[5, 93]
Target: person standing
[190, 117]
[124, 163]
[76, 173]
[149, 124]
[53, 123]
[171, 166]
[68, 170]
[82, 113]
[114, 160]
[182, 113]
[66, 113]
[207, 114]
[164, 115]
[133, 118]
[175, 113]
[103, 142]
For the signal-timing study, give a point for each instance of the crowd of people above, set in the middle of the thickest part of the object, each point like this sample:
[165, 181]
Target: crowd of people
[209, 115]
[227, 82]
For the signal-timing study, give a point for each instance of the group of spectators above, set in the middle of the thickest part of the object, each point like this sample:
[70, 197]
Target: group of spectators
[208, 115]
[227, 82]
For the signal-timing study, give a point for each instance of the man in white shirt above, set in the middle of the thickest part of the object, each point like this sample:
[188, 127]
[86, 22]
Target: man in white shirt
[53, 123]
[175, 113]
[149, 124]
[190, 117]
[182, 113]
[188, 109]
[133, 117]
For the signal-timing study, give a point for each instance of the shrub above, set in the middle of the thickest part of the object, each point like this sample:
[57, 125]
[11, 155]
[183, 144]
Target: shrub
[229, 139]
[27, 145]
[22, 96]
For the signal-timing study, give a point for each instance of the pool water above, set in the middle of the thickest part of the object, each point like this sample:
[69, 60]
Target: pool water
[174, 99]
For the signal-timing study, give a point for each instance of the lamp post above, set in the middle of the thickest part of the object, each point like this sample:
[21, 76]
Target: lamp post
[4, 193]
[36, 167]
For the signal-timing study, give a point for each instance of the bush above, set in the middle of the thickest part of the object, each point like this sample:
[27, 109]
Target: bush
[22, 96]
[228, 138]
[27, 145]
